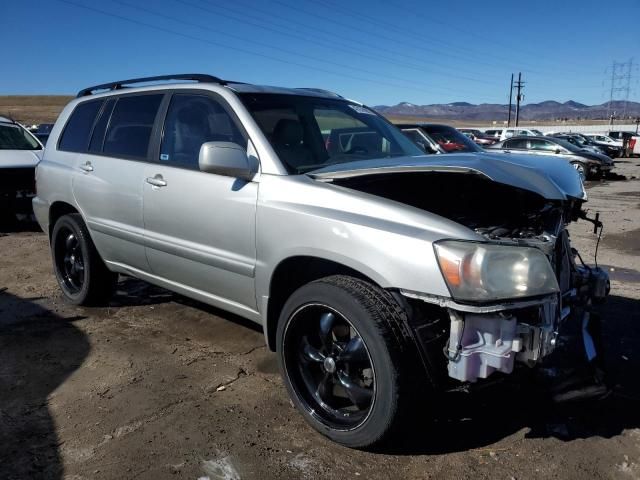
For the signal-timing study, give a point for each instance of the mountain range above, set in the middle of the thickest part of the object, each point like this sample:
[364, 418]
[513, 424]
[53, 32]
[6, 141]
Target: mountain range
[548, 110]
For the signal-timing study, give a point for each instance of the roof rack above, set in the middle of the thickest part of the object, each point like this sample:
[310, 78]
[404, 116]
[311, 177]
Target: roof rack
[320, 90]
[198, 77]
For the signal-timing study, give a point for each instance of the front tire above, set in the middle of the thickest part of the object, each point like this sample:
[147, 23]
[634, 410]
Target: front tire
[344, 351]
[82, 275]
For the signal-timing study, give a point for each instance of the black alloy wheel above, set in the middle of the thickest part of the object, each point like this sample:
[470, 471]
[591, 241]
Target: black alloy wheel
[330, 366]
[82, 275]
[70, 260]
[348, 361]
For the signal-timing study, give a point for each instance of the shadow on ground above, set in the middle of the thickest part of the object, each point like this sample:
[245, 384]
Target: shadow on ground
[38, 352]
[474, 420]
[11, 223]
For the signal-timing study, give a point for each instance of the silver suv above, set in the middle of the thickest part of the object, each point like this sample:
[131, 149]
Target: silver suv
[374, 270]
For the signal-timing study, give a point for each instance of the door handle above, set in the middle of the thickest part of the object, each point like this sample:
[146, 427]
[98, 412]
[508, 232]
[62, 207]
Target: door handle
[87, 167]
[157, 181]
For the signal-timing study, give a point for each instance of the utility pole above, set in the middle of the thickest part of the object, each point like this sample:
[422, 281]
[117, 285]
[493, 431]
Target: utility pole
[519, 97]
[510, 101]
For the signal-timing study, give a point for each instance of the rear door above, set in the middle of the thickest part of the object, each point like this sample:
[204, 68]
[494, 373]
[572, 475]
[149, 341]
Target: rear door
[200, 227]
[110, 173]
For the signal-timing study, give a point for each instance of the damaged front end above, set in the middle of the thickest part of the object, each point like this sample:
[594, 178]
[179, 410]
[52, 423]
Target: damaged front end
[513, 287]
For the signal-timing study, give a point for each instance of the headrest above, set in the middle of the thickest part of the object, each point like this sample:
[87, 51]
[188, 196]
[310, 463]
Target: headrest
[288, 132]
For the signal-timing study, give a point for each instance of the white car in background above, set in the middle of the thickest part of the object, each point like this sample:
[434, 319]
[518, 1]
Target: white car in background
[20, 152]
[504, 133]
[600, 138]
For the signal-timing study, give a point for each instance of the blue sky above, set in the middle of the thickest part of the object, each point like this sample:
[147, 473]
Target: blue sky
[375, 51]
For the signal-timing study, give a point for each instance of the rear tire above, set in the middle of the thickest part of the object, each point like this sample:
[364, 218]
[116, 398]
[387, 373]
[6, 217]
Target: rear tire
[347, 359]
[82, 275]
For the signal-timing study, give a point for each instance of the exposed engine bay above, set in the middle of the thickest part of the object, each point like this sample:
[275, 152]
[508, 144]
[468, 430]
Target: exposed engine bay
[489, 337]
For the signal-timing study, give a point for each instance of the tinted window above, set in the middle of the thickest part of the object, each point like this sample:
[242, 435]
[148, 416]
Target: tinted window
[75, 137]
[518, 143]
[131, 124]
[542, 145]
[97, 138]
[191, 121]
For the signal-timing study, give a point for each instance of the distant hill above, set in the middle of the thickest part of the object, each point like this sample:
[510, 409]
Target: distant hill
[548, 110]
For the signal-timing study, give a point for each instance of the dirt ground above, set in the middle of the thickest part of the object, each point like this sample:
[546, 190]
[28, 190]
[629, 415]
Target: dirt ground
[158, 386]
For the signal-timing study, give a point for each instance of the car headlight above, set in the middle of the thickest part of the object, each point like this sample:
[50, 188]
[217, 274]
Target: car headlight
[483, 272]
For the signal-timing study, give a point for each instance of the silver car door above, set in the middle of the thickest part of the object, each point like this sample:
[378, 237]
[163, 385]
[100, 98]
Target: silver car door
[200, 227]
[108, 179]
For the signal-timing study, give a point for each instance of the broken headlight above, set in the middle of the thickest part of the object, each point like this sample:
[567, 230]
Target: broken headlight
[483, 272]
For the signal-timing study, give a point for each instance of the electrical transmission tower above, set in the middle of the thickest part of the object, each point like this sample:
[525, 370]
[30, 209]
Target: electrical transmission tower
[620, 86]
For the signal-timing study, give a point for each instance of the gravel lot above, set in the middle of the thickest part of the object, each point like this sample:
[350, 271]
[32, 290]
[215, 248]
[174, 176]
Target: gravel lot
[158, 386]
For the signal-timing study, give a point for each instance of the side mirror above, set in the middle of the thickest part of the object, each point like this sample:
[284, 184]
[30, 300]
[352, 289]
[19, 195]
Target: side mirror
[557, 150]
[225, 158]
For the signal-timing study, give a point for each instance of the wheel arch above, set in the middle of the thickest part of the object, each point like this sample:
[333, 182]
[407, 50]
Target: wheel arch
[57, 210]
[291, 274]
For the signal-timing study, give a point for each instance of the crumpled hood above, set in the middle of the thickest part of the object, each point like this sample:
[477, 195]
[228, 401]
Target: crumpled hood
[19, 158]
[548, 176]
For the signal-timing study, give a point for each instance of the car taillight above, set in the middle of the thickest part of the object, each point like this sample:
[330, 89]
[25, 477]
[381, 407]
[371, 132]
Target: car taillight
[632, 143]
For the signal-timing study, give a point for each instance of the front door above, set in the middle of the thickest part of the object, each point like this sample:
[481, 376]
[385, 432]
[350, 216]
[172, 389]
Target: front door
[200, 227]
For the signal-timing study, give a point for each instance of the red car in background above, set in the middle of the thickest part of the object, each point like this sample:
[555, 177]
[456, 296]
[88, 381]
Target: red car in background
[434, 138]
[480, 138]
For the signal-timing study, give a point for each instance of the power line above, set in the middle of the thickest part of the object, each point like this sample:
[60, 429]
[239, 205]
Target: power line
[233, 48]
[377, 48]
[290, 52]
[330, 44]
[473, 33]
[404, 44]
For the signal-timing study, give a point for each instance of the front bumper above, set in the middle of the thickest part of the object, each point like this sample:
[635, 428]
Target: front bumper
[492, 338]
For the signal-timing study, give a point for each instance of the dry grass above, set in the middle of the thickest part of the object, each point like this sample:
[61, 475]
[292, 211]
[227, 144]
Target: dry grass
[29, 109]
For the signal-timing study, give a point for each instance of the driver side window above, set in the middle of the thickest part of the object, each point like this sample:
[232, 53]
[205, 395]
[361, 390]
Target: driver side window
[191, 121]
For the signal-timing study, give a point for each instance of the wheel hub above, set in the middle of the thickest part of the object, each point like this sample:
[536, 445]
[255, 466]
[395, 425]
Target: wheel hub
[329, 365]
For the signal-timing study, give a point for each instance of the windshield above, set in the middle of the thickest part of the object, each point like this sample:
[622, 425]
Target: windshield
[309, 133]
[538, 133]
[563, 143]
[14, 137]
[577, 141]
[450, 139]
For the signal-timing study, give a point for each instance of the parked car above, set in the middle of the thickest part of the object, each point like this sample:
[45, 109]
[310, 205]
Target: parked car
[579, 141]
[604, 139]
[363, 260]
[479, 137]
[630, 140]
[587, 163]
[434, 138]
[504, 133]
[609, 146]
[20, 152]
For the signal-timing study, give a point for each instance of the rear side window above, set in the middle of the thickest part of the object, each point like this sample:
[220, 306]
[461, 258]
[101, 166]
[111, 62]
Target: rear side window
[519, 143]
[97, 138]
[130, 127]
[75, 137]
